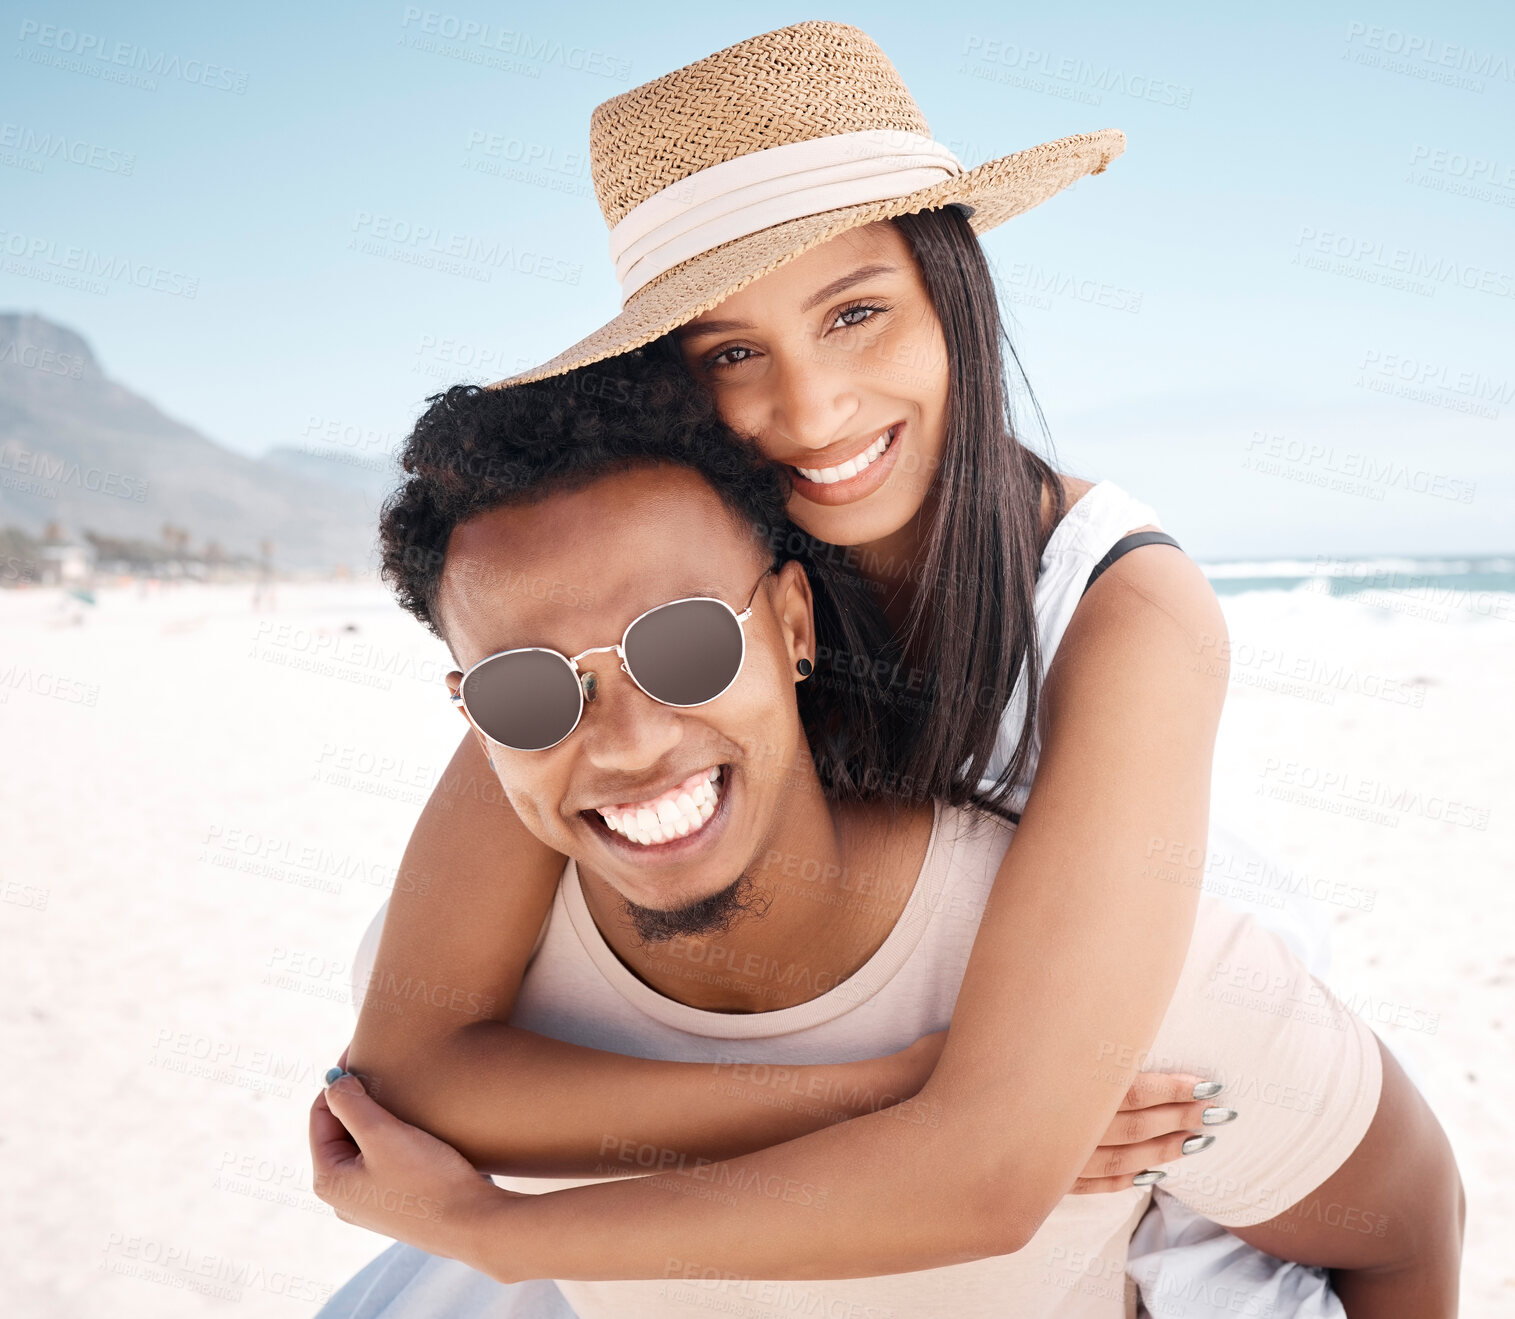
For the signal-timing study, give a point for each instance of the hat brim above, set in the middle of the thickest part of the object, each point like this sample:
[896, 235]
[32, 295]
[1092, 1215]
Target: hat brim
[997, 190]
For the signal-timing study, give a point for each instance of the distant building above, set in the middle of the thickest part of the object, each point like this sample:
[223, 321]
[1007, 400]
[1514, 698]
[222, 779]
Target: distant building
[62, 561]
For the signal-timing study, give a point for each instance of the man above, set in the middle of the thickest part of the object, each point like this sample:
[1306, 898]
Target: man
[640, 712]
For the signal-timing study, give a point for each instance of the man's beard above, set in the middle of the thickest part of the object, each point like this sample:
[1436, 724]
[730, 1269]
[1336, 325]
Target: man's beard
[712, 915]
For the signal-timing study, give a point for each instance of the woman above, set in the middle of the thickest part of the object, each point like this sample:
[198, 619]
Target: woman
[803, 245]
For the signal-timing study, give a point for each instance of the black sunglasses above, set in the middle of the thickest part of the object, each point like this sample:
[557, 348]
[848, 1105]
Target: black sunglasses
[682, 653]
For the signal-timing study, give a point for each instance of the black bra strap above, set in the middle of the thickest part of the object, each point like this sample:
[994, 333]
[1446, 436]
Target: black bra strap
[1131, 542]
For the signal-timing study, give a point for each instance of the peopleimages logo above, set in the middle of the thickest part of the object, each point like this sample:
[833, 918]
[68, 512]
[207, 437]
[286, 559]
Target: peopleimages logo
[39, 357]
[434, 248]
[1378, 262]
[1313, 462]
[1070, 77]
[1426, 57]
[91, 53]
[487, 38]
[38, 146]
[37, 472]
[1462, 165]
[45, 258]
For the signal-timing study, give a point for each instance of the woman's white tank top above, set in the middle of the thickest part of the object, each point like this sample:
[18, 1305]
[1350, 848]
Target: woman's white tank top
[1083, 537]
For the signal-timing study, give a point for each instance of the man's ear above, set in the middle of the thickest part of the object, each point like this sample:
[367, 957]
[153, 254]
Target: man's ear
[796, 610]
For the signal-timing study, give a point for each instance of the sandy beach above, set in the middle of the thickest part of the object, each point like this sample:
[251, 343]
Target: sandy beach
[206, 802]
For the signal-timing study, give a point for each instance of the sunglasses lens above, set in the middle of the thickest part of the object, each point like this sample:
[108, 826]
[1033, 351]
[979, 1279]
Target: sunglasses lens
[685, 653]
[525, 699]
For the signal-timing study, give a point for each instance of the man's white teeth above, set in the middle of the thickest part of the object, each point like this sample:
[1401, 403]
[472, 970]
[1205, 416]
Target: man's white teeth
[850, 468]
[669, 817]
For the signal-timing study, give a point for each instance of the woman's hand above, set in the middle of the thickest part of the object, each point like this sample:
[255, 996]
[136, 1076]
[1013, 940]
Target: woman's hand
[1158, 1114]
[386, 1175]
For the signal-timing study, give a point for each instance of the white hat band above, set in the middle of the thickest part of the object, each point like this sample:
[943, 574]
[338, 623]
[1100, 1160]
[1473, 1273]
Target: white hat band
[763, 188]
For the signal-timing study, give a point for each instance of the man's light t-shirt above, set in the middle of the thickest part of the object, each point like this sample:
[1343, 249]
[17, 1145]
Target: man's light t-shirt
[1301, 1069]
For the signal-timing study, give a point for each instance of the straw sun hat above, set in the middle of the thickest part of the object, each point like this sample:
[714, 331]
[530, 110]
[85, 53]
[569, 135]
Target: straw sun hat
[724, 170]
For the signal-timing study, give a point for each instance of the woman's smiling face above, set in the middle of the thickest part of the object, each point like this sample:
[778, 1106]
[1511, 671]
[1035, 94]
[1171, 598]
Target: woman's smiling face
[836, 366]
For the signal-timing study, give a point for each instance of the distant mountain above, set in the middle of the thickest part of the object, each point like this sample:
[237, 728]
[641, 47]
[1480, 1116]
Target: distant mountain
[84, 450]
[371, 475]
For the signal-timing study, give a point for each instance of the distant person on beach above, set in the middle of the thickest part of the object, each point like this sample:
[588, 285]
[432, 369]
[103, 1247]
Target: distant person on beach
[264, 593]
[677, 772]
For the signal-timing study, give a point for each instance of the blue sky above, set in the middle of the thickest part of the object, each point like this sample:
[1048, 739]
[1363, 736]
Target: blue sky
[1212, 322]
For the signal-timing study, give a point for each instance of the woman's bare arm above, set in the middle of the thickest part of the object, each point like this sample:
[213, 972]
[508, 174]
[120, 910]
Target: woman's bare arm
[1083, 939]
[1388, 1223]
[473, 889]
[434, 1047]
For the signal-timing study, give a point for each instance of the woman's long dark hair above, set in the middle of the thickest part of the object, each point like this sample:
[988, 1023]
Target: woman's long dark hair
[916, 714]
[973, 626]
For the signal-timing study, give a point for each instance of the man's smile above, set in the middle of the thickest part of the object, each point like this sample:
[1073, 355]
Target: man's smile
[672, 826]
[674, 813]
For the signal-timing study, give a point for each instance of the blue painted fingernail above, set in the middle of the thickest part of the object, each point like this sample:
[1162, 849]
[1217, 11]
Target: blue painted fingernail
[1148, 1178]
[1196, 1143]
[1208, 1089]
[334, 1073]
[1213, 1117]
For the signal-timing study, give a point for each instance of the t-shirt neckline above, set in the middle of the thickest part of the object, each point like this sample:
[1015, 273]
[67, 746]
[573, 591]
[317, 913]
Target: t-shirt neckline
[860, 986]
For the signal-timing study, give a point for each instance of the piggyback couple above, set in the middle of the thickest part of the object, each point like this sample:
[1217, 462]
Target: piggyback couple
[811, 918]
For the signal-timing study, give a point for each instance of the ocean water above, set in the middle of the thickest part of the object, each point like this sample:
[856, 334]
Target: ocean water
[1446, 580]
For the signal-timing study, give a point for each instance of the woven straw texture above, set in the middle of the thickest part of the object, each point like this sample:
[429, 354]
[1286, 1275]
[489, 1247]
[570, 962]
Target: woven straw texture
[801, 82]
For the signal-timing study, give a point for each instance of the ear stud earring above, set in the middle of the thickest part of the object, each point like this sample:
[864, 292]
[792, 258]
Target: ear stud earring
[805, 668]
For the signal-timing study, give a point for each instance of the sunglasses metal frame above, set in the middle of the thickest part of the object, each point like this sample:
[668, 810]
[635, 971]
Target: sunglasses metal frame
[460, 698]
